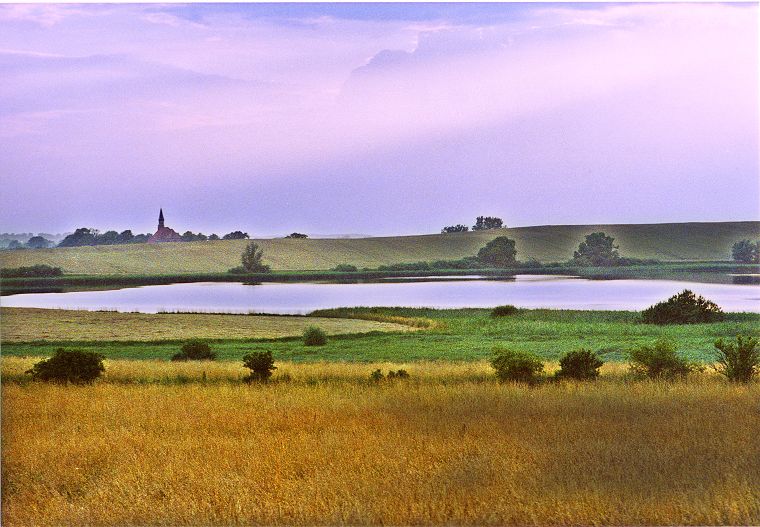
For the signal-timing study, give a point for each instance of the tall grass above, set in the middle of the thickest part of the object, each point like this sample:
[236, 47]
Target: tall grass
[429, 452]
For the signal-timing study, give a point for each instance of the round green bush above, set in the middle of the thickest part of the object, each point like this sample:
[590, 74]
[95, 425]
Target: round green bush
[504, 311]
[516, 366]
[683, 308]
[74, 366]
[194, 350]
[314, 336]
[580, 365]
[261, 364]
[659, 361]
[345, 268]
[739, 361]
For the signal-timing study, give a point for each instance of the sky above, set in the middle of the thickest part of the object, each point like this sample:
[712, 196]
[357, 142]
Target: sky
[375, 119]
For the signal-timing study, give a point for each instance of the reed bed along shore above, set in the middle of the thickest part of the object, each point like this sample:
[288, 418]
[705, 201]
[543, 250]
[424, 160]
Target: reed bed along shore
[428, 451]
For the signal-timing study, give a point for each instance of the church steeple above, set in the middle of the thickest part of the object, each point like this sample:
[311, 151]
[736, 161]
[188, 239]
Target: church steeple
[161, 219]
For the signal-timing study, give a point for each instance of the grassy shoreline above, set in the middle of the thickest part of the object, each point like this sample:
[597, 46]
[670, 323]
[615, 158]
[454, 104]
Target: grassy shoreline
[710, 272]
[459, 335]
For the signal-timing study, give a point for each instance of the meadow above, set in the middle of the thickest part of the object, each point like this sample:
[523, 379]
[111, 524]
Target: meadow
[30, 324]
[553, 243]
[444, 335]
[322, 445]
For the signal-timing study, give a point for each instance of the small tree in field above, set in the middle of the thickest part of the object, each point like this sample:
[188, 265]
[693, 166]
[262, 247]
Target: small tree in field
[516, 366]
[660, 361]
[739, 361]
[261, 365]
[683, 308]
[499, 252]
[597, 249]
[580, 365]
[194, 350]
[314, 336]
[75, 366]
[484, 223]
[455, 228]
[746, 251]
[251, 259]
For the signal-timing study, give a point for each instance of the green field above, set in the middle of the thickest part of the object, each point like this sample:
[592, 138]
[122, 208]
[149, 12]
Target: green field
[453, 335]
[666, 242]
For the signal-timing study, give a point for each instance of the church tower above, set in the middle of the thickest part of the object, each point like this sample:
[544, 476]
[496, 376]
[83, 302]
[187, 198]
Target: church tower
[164, 234]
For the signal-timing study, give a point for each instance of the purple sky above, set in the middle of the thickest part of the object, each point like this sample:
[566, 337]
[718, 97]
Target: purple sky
[377, 119]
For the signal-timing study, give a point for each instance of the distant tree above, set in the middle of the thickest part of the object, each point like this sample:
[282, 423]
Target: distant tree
[140, 238]
[499, 252]
[125, 237]
[15, 244]
[297, 235]
[598, 250]
[200, 237]
[213, 237]
[81, 236]
[188, 237]
[38, 242]
[251, 259]
[746, 251]
[484, 223]
[236, 235]
[107, 238]
[455, 228]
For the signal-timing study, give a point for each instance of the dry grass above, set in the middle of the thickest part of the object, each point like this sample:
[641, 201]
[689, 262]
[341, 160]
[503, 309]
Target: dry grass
[675, 241]
[426, 451]
[31, 324]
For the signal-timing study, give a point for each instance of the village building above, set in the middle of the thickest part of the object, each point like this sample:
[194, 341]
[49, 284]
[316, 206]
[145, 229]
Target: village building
[164, 234]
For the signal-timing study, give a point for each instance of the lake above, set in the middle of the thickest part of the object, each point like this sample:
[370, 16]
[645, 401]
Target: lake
[529, 291]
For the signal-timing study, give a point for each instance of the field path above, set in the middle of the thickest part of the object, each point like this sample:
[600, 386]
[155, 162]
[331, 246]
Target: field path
[31, 324]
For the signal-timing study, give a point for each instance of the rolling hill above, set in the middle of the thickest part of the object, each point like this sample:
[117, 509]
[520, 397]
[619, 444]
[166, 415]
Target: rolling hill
[662, 241]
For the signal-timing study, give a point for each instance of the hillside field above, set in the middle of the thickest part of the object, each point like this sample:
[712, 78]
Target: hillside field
[666, 242]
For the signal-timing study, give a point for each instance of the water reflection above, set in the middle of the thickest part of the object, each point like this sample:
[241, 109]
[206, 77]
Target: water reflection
[531, 291]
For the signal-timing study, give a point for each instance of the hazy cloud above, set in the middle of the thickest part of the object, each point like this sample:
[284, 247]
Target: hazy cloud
[397, 119]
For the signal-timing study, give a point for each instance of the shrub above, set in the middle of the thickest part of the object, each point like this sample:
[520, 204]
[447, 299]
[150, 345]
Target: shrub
[683, 308]
[400, 374]
[659, 361]
[581, 365]
[376, 376]
[504, 311]
[261, 364]
[40, 270]
[251, 259]
[516, 366]
[345, 268]
[194, 350]
[314, 336]
[739, 361]
[746, 251]
[499, 252]
[74, 366]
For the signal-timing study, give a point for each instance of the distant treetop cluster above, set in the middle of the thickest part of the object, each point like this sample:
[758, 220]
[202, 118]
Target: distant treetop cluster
[482, 223]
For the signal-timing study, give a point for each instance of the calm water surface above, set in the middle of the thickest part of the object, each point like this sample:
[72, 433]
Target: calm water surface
[530, 291]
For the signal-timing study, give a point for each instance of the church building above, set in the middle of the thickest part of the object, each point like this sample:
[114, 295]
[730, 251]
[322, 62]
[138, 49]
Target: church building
[164, 234]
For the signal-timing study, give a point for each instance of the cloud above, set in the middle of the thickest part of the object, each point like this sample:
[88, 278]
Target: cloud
[297, 99]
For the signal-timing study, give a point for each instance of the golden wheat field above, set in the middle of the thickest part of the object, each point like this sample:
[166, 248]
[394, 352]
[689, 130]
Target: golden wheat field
[31, 324]
[448, 446]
